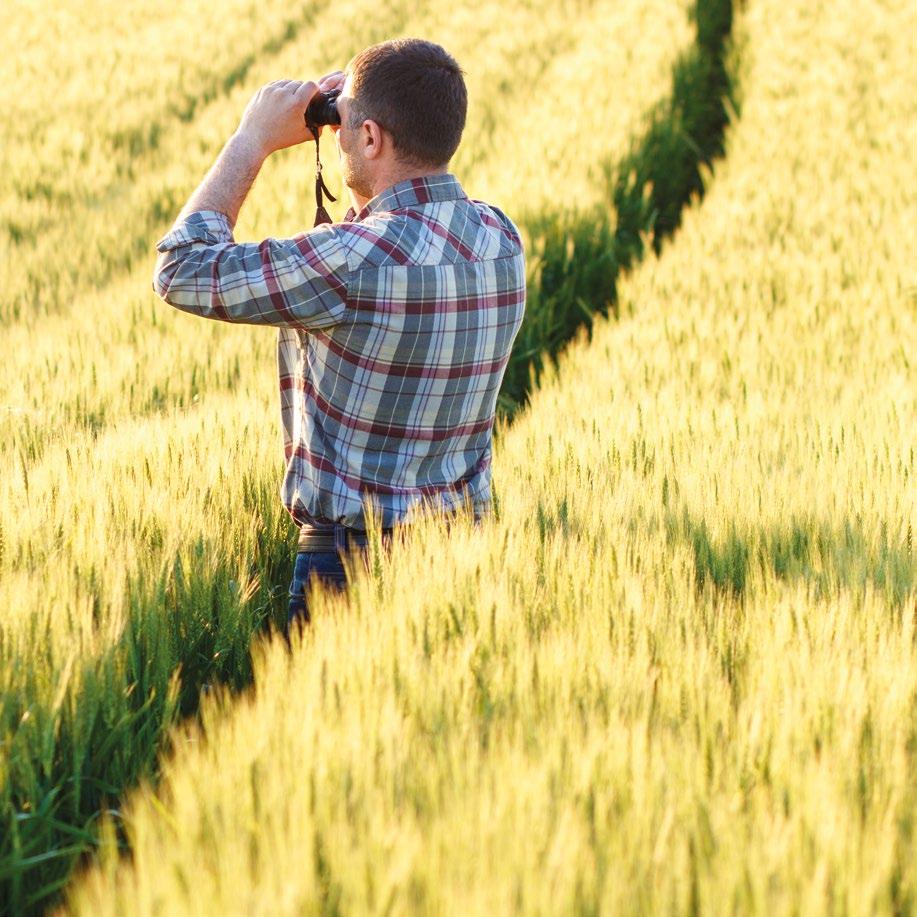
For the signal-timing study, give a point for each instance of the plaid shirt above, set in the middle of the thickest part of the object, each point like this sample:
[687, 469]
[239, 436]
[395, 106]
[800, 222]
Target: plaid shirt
[395, 328]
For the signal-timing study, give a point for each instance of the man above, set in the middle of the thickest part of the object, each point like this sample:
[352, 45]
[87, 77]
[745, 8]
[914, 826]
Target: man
[395, 326]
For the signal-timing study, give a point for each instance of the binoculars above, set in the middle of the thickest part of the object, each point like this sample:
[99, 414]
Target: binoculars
[323, 109]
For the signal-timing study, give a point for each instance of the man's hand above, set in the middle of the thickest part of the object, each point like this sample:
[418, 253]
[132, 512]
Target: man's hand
[273, 119]
[333, 80]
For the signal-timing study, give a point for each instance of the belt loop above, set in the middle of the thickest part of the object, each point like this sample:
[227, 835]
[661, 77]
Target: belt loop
[340, 538]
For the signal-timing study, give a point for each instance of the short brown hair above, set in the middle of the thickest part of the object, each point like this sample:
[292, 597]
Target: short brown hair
[415, 90]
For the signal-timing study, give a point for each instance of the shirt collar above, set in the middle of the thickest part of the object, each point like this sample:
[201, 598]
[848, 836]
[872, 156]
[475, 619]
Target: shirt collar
[412, 192]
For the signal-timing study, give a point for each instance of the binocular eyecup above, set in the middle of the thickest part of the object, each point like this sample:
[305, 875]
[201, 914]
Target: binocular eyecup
[323, 109]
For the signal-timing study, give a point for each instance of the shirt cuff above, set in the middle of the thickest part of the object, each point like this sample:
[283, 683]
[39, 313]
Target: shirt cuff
[208, 226]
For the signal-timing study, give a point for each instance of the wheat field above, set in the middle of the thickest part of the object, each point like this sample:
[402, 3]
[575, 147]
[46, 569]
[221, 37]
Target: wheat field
[142, 543]
[678, 670]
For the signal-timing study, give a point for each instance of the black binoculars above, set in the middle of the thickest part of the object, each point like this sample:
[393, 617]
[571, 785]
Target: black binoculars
[323, 109]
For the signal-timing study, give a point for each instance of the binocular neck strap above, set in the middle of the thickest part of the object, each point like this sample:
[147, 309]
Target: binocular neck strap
[321, 215]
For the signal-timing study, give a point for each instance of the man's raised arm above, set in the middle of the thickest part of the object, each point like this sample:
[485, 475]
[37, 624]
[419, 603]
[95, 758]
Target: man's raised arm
[299, 282]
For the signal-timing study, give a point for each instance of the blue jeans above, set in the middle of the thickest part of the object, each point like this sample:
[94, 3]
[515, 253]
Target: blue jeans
[326, 567]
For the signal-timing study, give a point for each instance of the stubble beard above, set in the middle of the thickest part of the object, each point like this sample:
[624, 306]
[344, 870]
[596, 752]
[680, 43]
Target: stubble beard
[355, 177]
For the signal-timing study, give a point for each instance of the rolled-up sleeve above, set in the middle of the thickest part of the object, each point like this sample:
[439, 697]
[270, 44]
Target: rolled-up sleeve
[297, 282]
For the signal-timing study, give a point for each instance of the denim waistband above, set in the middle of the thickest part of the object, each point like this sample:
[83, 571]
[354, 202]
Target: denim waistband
[336, 537]
[333, 538]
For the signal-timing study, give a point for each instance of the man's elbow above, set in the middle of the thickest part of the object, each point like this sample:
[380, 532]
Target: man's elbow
[163, 273]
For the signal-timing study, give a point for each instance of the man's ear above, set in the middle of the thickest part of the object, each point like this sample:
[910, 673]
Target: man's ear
[372, 139]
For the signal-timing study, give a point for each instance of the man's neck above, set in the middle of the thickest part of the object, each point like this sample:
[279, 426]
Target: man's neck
[393, 177]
